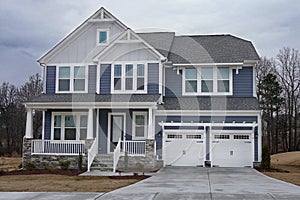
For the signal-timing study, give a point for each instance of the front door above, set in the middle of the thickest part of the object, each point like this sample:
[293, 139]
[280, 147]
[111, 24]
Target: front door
[116, 130]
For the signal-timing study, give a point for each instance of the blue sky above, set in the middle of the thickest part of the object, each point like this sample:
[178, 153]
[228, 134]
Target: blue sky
[29, 28]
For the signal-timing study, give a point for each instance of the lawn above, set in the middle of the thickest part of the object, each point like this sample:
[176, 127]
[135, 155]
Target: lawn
[289, 165]
[55, 182]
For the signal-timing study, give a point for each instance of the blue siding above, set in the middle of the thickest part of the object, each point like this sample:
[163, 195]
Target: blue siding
[204, 119]
[50, 79]
[47, 125]
[243, 82]
[92, 80]
[105, 78]
[153, 78]
[173, 83]
[103, 129]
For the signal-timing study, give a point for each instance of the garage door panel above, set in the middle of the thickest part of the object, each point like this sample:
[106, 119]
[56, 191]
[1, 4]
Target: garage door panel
[183, 149]
[231, 150]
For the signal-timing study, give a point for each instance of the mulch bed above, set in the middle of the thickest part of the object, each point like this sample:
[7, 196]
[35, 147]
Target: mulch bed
[69, 172]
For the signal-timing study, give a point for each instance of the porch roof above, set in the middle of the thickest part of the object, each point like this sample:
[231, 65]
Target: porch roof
[46, 100]
[209, 103]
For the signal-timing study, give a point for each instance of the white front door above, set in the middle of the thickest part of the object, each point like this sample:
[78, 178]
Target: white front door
[183, 149]
[231, 150]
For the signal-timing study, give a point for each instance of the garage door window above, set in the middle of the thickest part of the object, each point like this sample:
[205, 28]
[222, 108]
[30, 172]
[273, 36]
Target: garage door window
[222, 137]
[193, 136]
[174, 136]
[241, 137]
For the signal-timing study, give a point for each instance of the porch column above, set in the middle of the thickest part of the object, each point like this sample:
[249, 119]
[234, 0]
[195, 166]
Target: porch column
[29, 129]
[43, 126]
[150, 124]
[90, 125]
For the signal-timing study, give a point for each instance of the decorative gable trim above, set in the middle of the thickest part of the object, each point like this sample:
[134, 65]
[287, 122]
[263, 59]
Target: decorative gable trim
[129, 37]
[99, 16]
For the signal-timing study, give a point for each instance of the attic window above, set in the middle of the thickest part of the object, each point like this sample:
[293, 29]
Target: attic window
[102, 36]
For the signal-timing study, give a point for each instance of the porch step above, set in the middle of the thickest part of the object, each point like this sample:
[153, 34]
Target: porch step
[103, 162]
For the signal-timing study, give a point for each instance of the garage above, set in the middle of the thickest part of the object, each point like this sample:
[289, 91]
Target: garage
[183, 148]
[232, 149]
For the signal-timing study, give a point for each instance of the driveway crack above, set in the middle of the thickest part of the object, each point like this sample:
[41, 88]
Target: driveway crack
[208, 178]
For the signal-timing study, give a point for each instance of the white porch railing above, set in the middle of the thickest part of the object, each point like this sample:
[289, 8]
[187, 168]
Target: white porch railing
[56, 147]
[92, 152]
[135, 148]
[117, 153]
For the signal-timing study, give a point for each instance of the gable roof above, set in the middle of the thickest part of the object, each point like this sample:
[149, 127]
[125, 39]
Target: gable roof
[202, 48]
[101, 14]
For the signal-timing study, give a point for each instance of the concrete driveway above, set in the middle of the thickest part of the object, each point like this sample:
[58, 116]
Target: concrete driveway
[207, 183]
[187, 183]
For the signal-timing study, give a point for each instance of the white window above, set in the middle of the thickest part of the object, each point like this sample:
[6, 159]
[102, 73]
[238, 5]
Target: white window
[69, 126]
[102, 36]
[139, 126]
[222, 137]
[129, 77]
[207, 81]
[71, 79]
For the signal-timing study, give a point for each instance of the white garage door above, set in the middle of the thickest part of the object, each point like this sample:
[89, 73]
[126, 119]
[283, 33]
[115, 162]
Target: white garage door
[231, 150]
[183, 149]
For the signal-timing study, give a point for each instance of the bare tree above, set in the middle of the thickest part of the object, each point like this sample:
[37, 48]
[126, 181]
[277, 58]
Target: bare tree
[288, 71]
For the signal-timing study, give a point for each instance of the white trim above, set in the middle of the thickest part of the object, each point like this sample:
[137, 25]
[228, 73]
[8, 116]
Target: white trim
[146, 133]
[72, 78]
[134, 77]
[110, 114]
[208, 64]
[43, 126]
[86, 105]
[207, 112]
[29, 123]
[215, 83]
[160, 75]
[63, 114]
[254, 82]
[98, 36]
[259, 137]
[72, 36]
[98, 78]
[119, 38]
[176, 124]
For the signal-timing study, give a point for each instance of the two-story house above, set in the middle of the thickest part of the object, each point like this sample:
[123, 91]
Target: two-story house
[122, 98]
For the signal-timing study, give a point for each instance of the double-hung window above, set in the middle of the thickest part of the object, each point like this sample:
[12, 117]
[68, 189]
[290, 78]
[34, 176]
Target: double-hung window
[71, 79]
[69, 126]
[191, 80]
[128, 77]
[64, 76]
[207, 81]
[139, 125]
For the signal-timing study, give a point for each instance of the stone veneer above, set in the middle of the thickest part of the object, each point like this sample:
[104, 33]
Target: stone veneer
[53, 160]
[148, 161]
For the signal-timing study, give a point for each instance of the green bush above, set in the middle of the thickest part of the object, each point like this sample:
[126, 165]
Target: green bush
[79, 161]
[46, 165]
[265, 160]
[1, 172]
[64, 164]
[30, 165]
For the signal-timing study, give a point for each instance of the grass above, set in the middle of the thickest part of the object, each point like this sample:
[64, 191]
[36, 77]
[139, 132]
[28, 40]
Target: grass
[60, 183]
[55, 182]
[289, 164]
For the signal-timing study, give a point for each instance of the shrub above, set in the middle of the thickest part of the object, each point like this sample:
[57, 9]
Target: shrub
[64, 164]
[20, 166]
[79, 161]
[265, 160]
[1, 172]
[139, 166]
[46, 165]
[30, 165]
